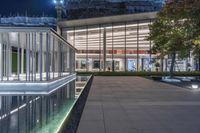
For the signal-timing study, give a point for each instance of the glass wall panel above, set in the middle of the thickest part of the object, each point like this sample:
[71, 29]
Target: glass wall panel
[131, 46]
[119, 47]
[81, 42]
[94, 48]
[109, 47]
[101, 47]
[144, 46]
[69, 35]
[116, 47]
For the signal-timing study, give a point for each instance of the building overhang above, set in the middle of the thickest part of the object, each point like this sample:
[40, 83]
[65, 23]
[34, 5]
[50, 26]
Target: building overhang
[107, 20]
[9, 29]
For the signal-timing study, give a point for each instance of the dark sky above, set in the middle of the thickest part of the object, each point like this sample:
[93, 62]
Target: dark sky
[33, 7]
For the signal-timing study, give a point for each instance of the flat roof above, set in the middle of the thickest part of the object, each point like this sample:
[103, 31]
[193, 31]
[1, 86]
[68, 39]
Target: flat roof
[107, 20]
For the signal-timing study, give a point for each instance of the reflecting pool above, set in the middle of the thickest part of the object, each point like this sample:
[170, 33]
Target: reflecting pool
[37, 113]
[191, 83]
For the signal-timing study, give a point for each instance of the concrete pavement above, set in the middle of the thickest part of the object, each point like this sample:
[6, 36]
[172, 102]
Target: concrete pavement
[139, 105]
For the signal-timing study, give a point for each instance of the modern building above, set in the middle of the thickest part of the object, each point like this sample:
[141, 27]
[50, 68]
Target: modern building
[117, 43]
[34, 54]
[28, 21]
[77, 9]
[37, 79]
[38, 65]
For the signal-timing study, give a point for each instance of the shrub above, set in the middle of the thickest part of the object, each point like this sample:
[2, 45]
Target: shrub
[194, 73]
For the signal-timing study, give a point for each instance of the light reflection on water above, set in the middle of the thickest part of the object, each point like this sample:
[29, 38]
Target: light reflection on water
[39, 113]
[191, 83]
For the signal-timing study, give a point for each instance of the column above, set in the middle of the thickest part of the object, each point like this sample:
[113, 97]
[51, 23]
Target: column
[43, 62]
[59, 59]
[38, 60]
[41, 57]
[28, 56]
[9, 58]
[4, 58]
[47, 57]
[22, 60]
[150, 51]
[87, 60]
[142, 64]
[71, 60]
[125, 61]
[50, 56]
[32, 57]
[35, 59]
[68, 59]
[104, 49]
[18, 57]
[99, 48]
[1, 57]
[53, 57]
[137, 46]
[113, 62]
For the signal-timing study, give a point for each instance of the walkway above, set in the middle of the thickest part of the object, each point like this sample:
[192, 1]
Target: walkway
[139, 105]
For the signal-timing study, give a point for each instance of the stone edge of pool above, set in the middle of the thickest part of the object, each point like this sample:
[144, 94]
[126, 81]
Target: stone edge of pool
[71, 121]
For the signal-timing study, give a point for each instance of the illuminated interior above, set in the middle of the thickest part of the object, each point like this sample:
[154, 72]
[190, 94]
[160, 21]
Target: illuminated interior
[119, 47]
[112, 47]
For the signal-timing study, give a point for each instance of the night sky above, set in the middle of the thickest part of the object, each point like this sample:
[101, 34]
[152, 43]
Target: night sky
[33, 7]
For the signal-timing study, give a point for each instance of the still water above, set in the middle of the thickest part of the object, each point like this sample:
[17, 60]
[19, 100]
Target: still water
[39, 113]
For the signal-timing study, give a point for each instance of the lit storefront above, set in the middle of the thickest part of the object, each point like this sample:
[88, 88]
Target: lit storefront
[116, 43]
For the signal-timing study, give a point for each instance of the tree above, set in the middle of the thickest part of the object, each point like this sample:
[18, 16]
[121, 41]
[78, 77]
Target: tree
[168, 37]
[193, 19]
[189, 11]
[176, 29]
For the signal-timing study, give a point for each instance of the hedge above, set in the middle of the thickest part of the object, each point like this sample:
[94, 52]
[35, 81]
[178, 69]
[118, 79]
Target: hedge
[194, 73]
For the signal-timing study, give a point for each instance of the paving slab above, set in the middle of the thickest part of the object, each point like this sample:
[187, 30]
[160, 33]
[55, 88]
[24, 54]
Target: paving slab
[139, 105]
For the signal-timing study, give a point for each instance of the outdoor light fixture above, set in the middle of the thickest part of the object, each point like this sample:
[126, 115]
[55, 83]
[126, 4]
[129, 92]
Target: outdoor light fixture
[58, 2]
[195, 86]
[59, 5]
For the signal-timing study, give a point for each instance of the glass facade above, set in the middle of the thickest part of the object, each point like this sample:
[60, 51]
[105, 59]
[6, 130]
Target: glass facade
[78, 9]
[121, 46]
[112, 47]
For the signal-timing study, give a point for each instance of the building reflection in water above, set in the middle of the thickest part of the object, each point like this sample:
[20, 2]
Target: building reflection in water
[39, 113]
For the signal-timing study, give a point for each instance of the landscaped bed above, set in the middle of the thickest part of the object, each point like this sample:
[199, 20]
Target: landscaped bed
[195, 73]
